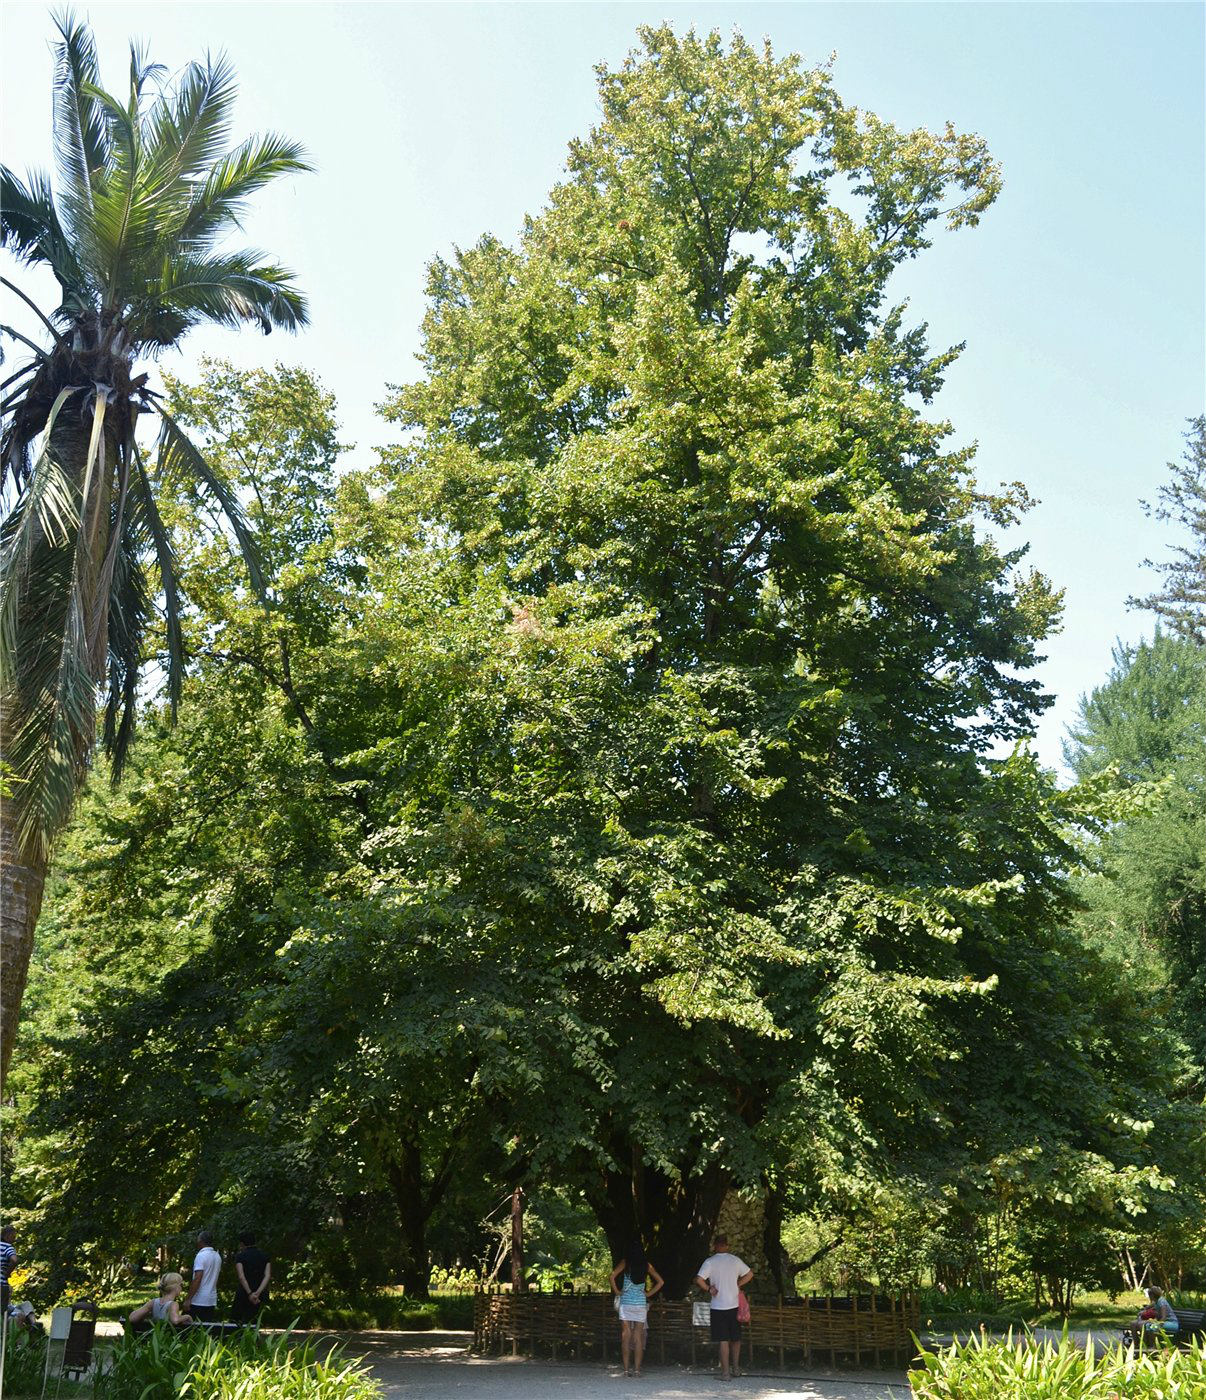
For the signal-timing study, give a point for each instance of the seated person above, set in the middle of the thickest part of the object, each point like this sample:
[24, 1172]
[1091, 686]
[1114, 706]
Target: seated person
[164, 1308]
[23, 1315]
[1158, 1316]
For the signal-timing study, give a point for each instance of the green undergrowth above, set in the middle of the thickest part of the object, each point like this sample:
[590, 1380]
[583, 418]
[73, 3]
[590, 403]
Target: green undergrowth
[1096, 1311]
[165, 1364]
[1023, 1369]
[24, 1364]
[385, 1312]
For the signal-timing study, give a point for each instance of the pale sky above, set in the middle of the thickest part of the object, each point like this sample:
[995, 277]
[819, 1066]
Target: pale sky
[1081, 296]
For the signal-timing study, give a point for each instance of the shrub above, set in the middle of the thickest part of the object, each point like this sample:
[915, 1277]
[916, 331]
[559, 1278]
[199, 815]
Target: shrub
[165, 1364]
[1027, 1370]
[290, 1374]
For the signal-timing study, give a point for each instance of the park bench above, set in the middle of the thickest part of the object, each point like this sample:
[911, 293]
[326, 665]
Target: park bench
[214, 1329]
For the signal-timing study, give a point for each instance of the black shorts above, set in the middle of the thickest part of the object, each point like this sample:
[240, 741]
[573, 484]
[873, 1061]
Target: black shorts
[202, 1312]
[725, 1327]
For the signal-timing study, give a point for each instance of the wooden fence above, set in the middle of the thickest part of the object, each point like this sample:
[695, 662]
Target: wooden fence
[866, 1329]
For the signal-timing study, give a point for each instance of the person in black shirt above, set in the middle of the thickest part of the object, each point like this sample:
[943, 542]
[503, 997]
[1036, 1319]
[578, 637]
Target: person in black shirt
[254, 1273]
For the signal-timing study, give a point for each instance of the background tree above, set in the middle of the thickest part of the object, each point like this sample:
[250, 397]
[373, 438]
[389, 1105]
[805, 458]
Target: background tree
[1147, 902]
[134, 234]
[1182, 600]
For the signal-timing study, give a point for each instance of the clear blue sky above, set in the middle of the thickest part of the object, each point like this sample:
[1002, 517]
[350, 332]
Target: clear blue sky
[1081, 296]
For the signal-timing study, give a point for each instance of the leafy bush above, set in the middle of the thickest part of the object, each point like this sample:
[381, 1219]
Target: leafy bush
[1027, 1370]
[165, 1364]
[958, 1302]
[288, 1374]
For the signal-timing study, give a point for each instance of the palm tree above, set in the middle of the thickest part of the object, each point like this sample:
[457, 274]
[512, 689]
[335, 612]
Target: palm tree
[134, 231]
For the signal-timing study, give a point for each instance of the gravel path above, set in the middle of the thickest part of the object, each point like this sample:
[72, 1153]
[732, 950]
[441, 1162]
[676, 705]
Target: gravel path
[435, 1366]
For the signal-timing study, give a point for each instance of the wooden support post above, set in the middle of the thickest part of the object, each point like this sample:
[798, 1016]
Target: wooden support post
[858, 1359]
[875, 1329]
[517, 1279]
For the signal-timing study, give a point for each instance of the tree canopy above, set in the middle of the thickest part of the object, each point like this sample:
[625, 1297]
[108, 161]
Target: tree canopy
[625, 785]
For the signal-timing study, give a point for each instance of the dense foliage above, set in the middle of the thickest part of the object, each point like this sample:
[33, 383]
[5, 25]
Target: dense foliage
[1022, 1369]
[165, 1364]
[621, 788]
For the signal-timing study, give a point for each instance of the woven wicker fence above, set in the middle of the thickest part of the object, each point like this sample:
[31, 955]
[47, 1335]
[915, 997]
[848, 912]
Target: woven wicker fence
[865, 1330]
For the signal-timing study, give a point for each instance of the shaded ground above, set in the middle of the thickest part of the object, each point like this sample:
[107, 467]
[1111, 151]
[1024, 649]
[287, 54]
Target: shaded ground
[436, 1366]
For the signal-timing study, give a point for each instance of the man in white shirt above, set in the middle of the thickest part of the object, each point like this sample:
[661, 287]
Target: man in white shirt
[721, 1275]
[202, 1300]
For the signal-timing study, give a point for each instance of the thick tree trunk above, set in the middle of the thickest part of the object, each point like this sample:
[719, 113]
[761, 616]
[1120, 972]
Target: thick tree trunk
[406, 1178]
[673, 1217]
[777, 1262]
[22, 880]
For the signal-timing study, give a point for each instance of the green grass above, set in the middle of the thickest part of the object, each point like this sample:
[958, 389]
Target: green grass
[388, 1311]
[1096, 1311]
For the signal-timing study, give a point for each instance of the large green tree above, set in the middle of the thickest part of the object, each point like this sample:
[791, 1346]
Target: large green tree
[733, 642]
[135, 234]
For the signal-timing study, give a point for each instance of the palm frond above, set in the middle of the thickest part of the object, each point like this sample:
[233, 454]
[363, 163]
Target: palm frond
[53, 701]
[48, 679]
[249, 167]
[130, 612]
[143, 506]
[108, 568]
[29, 222]
[80, 133]
[25, 340]
[187, 129]
[180, 458]
[142, 72]
[33, 306]
[114, 206]
[45, 513]
[231, 290]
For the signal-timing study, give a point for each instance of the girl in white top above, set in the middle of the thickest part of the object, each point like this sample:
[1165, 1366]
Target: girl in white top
[164, 1308]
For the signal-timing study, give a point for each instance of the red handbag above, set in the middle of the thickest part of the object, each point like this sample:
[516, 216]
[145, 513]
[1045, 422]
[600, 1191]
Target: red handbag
[743, 1306]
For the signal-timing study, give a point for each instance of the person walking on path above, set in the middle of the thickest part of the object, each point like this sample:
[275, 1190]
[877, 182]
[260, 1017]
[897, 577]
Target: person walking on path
[202, 1300]
[633, 1296]
[723, 1275]
[253, 1270]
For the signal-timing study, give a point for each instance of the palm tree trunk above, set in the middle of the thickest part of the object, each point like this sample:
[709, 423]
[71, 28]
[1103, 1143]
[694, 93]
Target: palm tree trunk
[22, 880]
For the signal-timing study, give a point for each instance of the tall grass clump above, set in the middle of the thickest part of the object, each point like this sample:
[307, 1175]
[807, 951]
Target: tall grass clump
[24, 1360]
[1025, 1369]
[165, 1364]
